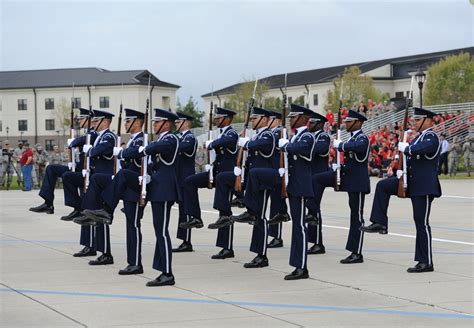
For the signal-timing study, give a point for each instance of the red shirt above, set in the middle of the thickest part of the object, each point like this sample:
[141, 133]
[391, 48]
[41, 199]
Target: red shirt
[26, 154]
[330, 117]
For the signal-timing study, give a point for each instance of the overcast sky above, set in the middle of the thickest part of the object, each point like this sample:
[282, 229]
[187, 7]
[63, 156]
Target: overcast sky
[199, 44]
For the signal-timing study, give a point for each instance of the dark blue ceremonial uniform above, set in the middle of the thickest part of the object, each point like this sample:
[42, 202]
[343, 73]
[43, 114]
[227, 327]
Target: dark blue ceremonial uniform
[319, 164]
[73, 188]
[185, 167]
[163, 190]
[300, 151]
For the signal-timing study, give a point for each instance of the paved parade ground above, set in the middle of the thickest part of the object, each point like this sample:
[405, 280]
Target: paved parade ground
[43, 285]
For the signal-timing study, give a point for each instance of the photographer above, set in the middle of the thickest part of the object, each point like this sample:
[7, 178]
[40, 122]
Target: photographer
[6, 166]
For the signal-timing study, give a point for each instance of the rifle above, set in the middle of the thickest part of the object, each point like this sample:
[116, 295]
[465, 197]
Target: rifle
[72, 158]
[308, 90]
[240, 156]
[119, 129]
[337, 183]
[87, 159]
[144, 167]
[209, 137]
[283, 155]
[402, 161]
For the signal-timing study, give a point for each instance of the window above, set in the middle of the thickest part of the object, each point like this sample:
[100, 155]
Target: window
[49, 143]
[165, 102]
[49, 103]
[22, 104]
[399, 94]
[76, 102]
[104, 102]
[315, 100]
[290, 100]
[49, 125]
[22, 125]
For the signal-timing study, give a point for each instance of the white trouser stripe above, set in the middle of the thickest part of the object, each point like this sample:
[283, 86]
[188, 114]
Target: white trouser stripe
[264, 213]
[105, 239]
[304, 236]
[187, 230]
[164, 238]
[231, 227]
[136, 231]
[91, 240]
[426, 228]
[360, 220]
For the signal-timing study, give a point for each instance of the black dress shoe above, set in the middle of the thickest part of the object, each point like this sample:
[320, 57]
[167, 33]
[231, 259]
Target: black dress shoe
[298, 274]
[275, 243]
[375, 227]
[86, 251]
[71, 216]
[43, 208]
[162, 280]
[311, 219]
[421, 267]
[260, 261]
[279, 218]
[100, 216]
[237, 202]
[317, 249]
[353, 258]
[131, 269]
[104, 259]
[222, 221]
[223, 254]
[184, 247]
[193, 223]
[84, 220]
[245, 217]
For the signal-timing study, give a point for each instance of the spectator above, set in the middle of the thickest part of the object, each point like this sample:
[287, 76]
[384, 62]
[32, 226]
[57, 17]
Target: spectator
[26, 163]
[455, 152]
[443, 160]
[468, 150]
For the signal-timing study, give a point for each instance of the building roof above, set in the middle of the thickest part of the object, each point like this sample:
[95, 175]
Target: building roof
[401, 66]
[65, 77]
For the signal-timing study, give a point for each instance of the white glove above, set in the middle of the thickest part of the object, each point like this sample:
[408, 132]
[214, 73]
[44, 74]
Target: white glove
[281, 171]
[243, 141]
[335, 167]
[396, 156]
[147, 179]
[399, 174]
[141, 149]
[84, 172]
[86, 148]
[336, 143]
[237, 171]
[69, 165]
[208, 142]
[69, 141]
[208, 167]
[282, 142]
[117, 150]
[402, 146]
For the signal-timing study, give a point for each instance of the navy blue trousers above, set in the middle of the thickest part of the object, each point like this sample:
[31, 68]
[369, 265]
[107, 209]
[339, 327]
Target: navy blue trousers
[73, 184]
[385, 188]
[52, 173]
[183, 234]
[421, 214]
[191, 196]
[161, 220]
[224, 182]
[133, 214]
[299, 241]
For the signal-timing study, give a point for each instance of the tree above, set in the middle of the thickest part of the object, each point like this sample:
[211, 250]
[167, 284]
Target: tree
[451, 80]
[238, 101]
[356, 88]
[274, 103]
[191, 108]
[63, 114]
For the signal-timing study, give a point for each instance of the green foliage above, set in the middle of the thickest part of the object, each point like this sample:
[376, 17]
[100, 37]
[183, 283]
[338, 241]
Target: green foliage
[299, 101]
[274, 103]
[191, 108]
[238, 101]
[356, 88]
[63, 114]
[451, 80]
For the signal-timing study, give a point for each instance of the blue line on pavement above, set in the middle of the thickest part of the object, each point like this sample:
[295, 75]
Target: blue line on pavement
[251, 304]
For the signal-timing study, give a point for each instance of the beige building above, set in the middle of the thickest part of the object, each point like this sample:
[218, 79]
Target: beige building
[33, 103]
[389, 75]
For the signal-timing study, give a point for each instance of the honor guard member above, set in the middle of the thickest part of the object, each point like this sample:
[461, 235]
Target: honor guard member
[319, 164]
[186, 167]
[163, 191]
[55, 171]
[225, 147]
[261, 179]
[423, 154]
[354, 180]
[105, 191]
[101, 162]
[299, 150]
[278, 207]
